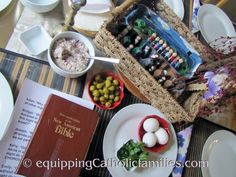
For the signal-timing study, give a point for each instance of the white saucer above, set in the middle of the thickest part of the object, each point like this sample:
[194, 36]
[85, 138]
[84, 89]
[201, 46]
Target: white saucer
[177, 6]
[123, 127]
[35, 39]
[220, 152]
[6, 105]
[214, 23]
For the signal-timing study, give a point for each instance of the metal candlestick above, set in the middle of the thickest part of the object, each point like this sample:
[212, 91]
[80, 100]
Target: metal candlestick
[75, 7]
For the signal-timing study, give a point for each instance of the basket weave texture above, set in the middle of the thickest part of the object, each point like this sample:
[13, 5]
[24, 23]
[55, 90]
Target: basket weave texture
[136, 74]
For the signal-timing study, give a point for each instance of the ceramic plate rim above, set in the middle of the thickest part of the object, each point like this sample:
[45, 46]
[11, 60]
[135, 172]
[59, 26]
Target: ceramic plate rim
[178, 8]
[6, 5]
[206, 151]
[205, 9]
[7, 97]
[114, 120]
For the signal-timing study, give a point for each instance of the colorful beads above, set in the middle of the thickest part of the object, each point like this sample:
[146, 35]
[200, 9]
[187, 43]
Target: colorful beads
[139, 23]
[152, 37]
[142, 45]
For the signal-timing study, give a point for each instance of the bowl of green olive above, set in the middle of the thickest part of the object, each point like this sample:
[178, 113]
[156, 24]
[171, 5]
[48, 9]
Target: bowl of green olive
[106, 90]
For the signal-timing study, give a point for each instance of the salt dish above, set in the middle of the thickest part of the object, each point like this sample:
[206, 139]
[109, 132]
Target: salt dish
[36, 39]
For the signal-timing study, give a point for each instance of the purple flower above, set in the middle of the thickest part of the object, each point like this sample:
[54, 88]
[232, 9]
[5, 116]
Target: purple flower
[215, 91]
[209, 75]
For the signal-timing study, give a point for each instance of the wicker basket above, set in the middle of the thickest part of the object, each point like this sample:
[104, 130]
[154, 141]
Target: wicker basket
[136, 78]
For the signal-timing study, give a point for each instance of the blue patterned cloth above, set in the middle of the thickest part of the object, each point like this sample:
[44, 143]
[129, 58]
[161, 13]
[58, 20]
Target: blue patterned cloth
[183, 137]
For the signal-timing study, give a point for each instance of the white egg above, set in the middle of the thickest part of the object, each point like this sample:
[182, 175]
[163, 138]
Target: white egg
[162, 136]
[151, 125]
[149, 139]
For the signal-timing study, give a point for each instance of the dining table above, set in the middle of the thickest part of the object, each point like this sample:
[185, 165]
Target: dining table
[17, 63]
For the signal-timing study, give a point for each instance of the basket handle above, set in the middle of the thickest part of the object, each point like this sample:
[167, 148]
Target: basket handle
[123, 7]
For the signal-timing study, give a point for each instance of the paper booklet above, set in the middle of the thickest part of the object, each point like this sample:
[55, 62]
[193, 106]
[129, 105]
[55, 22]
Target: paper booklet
[28, 107]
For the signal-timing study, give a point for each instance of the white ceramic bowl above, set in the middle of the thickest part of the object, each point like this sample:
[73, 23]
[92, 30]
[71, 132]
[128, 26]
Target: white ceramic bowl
[40, 6]
[72, 35]
[35, 39]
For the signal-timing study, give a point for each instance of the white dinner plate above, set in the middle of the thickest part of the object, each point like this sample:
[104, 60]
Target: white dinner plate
[4, 4]
[6, 105]
[220, 152]
[177, 6]
[214, 23]
[123, 127]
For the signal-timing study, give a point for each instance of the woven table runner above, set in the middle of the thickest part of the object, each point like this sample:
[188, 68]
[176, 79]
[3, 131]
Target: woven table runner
[16, 68]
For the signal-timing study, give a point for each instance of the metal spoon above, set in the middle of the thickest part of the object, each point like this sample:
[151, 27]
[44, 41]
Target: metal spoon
[110, 60]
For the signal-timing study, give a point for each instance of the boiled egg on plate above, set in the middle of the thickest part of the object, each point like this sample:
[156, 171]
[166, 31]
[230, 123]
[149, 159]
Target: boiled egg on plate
[151, 125]
[162, 136]
[149, 139]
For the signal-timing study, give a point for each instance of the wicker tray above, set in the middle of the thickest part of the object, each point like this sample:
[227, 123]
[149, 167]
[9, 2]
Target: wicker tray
[138, 81]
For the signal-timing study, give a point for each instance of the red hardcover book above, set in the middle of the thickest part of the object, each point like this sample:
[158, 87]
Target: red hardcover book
[61, 140]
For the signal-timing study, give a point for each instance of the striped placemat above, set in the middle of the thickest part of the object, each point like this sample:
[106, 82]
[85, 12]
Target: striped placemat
[16, 68]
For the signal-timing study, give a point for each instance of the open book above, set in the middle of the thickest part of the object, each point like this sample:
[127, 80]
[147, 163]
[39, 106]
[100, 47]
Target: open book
[28, 107]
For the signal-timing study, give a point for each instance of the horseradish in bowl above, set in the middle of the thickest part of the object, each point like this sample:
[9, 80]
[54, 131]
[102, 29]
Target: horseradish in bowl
[69, 53]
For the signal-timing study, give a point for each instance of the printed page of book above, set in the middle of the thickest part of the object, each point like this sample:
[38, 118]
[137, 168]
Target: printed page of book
[28, 107]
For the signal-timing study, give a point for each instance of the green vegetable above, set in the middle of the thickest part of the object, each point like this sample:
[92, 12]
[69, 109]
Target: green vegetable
[106, 96]
[111, 88]
[108, 104]
[117, 98]
[99, 86]
[132, 152]
[92, 88]
[95, 83]
[101, 91]
[108, 83]
[96, 93]
[95, 98]
[105, 90]
[98, 78]
[109, 78]
[102, 99]
[116, 82]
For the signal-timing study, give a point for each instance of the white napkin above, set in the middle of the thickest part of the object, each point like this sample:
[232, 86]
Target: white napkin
[97, 6]
[92, 23]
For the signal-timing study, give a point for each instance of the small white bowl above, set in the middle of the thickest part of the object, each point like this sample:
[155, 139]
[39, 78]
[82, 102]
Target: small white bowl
[72, 35]
[40, 6]
[35, 39]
